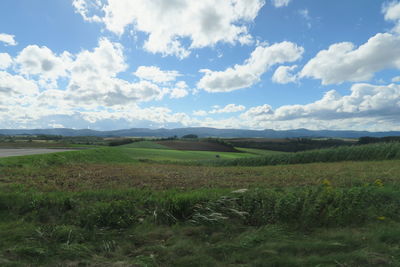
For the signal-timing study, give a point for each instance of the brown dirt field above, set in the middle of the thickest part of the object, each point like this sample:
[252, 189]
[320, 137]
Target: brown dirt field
[196, 145]
[162, 177]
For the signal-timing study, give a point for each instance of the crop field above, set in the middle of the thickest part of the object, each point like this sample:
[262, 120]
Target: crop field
[147, 204]
[196, 146]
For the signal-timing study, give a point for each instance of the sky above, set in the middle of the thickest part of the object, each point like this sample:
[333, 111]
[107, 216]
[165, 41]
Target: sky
[243, 64]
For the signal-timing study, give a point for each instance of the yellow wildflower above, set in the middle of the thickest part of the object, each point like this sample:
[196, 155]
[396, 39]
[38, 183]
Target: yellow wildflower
[378, 182]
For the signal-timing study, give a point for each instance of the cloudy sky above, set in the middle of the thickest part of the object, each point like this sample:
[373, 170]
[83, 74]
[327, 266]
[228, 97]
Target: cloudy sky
[252, 64]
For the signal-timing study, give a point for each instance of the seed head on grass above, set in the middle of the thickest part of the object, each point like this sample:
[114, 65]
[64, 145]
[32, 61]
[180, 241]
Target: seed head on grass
[327, 183]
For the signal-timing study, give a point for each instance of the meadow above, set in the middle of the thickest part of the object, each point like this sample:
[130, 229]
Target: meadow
[145, 204]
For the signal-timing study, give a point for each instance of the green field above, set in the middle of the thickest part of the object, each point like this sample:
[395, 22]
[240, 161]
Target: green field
[143, 205]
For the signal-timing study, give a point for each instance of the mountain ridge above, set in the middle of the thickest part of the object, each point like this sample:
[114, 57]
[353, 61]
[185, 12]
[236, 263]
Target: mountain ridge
[201, 132]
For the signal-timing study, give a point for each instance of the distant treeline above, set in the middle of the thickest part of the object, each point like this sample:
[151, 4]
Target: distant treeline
[289, 145]
[370, 140]
[124, 141]
[81, 140]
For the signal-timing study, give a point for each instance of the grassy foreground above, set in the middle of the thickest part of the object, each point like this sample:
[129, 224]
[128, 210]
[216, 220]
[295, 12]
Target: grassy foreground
[125, 207]
[292, 227]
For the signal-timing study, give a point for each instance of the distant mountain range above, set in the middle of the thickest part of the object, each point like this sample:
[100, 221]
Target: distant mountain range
[199, 131]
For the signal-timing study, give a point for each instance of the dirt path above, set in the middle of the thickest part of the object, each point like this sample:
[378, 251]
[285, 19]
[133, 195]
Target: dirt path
[10, 152]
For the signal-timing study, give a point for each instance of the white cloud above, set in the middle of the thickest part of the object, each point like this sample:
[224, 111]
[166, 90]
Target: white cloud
[280, 3]
[391, 11]
[249, 73]
[230, 108]
[8, 39]
[284, 74]
[5, 61]
[258, 111]
[367, 107]
[91, 77]
[180, 90]
[41, 61]
[200, 113]
[396, 79]
[106, 60]
[306, 15]
[94, 80]
[154, 74]
[15, 85]
[365, 101]
[84, 8]
[344, 62]
[55, 125]
[204, 23]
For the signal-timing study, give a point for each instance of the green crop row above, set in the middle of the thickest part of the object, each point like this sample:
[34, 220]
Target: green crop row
[304, 207]
[380, 151]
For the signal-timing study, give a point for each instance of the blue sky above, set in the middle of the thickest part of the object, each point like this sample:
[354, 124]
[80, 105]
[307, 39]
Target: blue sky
[252, 64]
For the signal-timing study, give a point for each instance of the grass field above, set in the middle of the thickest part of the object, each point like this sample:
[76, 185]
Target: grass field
[143, 205]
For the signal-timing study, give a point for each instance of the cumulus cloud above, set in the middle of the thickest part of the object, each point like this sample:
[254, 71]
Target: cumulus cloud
[280, 3]
[364, 101]
[180, 90]
[249, 73]
[8, 39]
[112, 92]
[41, 61]
[230, 108]
[344, 62]
[258, 111]
[200, 113]
[391, 11]
[94, 81]
[93, 86]
[366, 107]
[204, 23]
[5, 61]
[106, 60]
[16, 85]
[396, 79]
[155, 74]
[84, 8]
[284, 74]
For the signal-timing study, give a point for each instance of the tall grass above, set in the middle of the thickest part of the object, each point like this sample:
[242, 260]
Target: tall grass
[381, 151]
[301, 207]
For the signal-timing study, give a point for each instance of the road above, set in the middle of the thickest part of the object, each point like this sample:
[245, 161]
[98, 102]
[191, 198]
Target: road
[10, 152]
